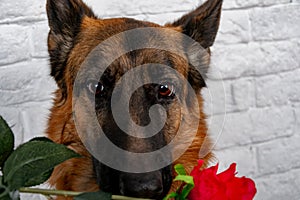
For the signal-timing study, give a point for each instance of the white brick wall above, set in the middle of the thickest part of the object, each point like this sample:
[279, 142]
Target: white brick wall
[256, 52]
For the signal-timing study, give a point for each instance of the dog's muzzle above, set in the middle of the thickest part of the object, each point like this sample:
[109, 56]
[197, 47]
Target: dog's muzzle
[153, 185]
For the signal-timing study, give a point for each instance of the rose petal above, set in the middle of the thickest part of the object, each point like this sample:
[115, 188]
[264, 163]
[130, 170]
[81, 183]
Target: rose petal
[228, 174]
[223, 186]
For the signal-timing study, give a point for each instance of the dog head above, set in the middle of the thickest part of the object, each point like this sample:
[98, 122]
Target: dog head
[75, 33]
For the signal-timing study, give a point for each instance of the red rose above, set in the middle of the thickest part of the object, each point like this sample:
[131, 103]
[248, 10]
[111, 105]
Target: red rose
[224, 186]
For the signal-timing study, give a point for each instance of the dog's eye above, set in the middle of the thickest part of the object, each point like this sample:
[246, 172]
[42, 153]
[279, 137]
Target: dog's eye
[95, 87]
[166, 90]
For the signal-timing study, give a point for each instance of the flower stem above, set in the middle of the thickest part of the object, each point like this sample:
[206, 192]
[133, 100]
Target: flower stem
[48, 192]
[117, 197]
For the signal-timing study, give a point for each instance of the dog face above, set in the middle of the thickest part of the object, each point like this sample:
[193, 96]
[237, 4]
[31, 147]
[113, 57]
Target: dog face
[75, 32]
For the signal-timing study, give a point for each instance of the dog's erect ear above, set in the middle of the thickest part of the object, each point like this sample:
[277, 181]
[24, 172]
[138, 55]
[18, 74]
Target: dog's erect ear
[202, 24]
[64, 17]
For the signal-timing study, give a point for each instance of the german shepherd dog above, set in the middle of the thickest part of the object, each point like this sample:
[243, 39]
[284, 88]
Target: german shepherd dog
[74, 32]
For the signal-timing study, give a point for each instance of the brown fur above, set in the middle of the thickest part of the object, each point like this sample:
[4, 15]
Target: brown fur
[66, 58]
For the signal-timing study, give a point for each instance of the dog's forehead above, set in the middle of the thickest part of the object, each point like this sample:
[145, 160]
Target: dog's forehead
[102, 29]
[155, 64]
[149, 57]
[95, 34]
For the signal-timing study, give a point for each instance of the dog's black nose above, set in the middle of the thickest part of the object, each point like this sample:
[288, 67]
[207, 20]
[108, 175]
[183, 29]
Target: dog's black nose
[146, 185]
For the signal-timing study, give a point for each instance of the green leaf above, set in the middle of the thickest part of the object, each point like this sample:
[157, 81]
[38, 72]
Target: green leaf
[31, 163]
[171, 195]
[5, 197]
[182, 191]
[186, 190]
[94, 195]
[4, 191]
[44, 139]
[189, 180]
[6, 141]
[185, 178]
[36, 180]
[180, 169]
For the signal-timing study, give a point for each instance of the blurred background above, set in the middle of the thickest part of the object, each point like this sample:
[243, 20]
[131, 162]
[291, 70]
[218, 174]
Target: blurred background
[255, 66]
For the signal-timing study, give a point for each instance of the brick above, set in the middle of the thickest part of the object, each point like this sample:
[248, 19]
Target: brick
[270, 123]
[238, 60]
[14, 42]
[235, 61]
[297, 114]
[13, 9]
[272, 2]
[279, 186]
[236, 4]
[24, 82]
[215, 96]
[164, 18]
[34, 119]
[235, 27]
[278, 57]
[275, 23]
[232, 129]
[39, 35]
[228, 5]
[247, 3]
[242, 95]
[228, 96]
[122, 8]
[278, 89]
[252, 126]
[244, 156]
[279, 155]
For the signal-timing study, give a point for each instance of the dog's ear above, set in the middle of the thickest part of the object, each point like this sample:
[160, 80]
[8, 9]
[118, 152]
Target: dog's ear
[202, 24]
[64, 17]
